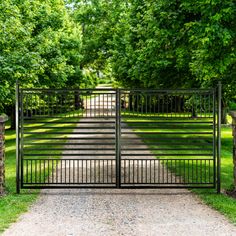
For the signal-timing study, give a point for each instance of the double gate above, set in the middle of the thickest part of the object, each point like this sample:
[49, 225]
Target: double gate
[118, 138]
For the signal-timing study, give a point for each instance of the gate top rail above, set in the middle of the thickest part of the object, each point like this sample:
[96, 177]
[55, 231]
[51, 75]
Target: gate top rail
[170, 91]
[67, 89]
[120, 89]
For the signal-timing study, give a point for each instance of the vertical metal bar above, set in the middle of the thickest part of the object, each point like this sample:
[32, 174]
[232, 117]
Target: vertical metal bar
[201, 171]
[78, 171]
[150, 171]
[219, 137]
[141, 171]
[56, 171]
[197, 170]
[18, 161]
[90, 106]
[150, 103]
[35, 171]
[146, 174]
[31, 172]
[112, 171]
[99, 171]
[27, 171]
[192, 172]
[69, 170]
[90, 171]
[94, 106]
[99, 111]
[137, 171]
[133, 171]
[21, 131]
[214, 137]
[107, 102]
[103, 107]
[52, 171]
[86, 168]
[163, 173]
[103, 173]
[146, 103]
[129, 171]
[167, 171]
[154, 177]
[188, 171]
[166, 105]
[65, 171]
[95, 178]
[48, 171]
[73, 161]
[175, 171]
[209, 171]
[86, 105]
[61, 171]
[118, 154]
[184, 171]
[44, 171]
[40, 171]
[107, 171]
[124, 171]
[82, 172]
[154, 104]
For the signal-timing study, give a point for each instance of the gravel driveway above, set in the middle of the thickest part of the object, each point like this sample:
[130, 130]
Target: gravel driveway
[120, 212]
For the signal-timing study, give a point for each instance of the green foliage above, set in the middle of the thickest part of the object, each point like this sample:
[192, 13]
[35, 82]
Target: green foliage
[175, 43]
[40, 45]
[151, 44]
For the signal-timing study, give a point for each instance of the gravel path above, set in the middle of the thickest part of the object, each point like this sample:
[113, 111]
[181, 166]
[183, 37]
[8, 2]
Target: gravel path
[120, 212]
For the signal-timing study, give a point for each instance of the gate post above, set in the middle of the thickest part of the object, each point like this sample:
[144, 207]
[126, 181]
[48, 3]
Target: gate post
[118, 163]
[219, 138]
[17, 140]
[3, 119]
[233, 115]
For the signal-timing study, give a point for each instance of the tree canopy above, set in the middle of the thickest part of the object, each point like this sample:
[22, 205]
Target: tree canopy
[40, 46]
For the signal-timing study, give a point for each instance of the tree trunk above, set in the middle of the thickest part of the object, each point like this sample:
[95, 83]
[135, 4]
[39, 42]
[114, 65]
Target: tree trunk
[76, 96]
[224, 109]
[130, 102]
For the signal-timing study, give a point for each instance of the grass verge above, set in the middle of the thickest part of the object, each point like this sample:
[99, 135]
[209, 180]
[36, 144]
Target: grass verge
[221, 202]
[12, 204]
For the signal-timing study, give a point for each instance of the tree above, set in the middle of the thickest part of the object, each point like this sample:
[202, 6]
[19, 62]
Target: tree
[177, 43]
[41, 46]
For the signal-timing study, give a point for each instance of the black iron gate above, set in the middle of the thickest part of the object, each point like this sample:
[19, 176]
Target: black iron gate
[118, 138]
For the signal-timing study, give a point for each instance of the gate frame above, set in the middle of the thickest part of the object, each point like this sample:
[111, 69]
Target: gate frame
[217, 143]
